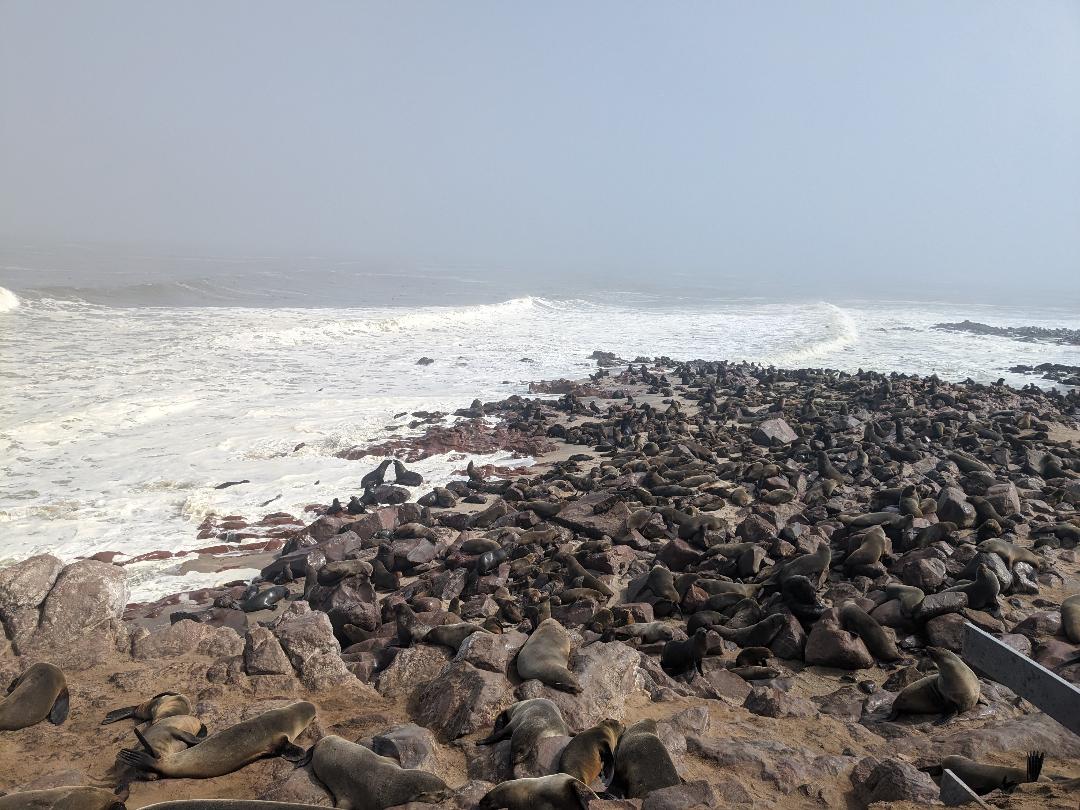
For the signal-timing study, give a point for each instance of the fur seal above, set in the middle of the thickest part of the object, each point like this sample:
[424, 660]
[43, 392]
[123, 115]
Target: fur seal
[646, 632]
[869, 551]
[952, 690]
[814, 566]
[545, 656]
[985, 778]
[360, 779]
[160, 706]
[983, 591]
[63, 798]
[1012, 553]
[660, 584]
[405, 477]
[269, 734]
[559, 791]
[230, 804]
[754, 635]
[376, 476]
[264, 600]
[1070, 618]
[451, 635]
[38, 693]
[680, 657]
[592, 753]
[642, 763]
[880, 644]
[908, 596]
[800, 596]
[525, 723]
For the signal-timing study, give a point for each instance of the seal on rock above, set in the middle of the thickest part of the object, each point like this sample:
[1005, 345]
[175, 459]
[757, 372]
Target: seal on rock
[360, 779]
[525, 723]
[680, 657]
[269, 734]
[545, 656]
[38, 693]
[1070, 618]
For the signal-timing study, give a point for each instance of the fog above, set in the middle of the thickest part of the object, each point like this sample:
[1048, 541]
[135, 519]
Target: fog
[880, 148]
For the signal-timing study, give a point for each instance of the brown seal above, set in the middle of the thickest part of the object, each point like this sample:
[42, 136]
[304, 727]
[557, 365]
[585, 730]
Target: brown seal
[877, 640]
[559, 791]
[160, 706]
[525, 723]
[270, 734]
[952, 690]
[592, 753]
[985, 778]
[1070, 618]
[38, 693]
[1012, 553]
[642, 763]
[360, 779]
[545, 656]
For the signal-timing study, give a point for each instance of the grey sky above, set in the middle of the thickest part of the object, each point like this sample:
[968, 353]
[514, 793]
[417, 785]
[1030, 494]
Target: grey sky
[777, 139]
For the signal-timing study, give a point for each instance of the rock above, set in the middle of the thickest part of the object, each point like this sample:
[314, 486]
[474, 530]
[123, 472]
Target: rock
[938, 604]
[1025, 580]
[462, 700]
[263, 654]
[491, 651]
[1040, 625]
[608, 674]
[769, 702]
[926, 575]
[411, 745]
[86, 596]
[581, 516]
[830, 646]
[412, 668]
[892, 780]
[847, 703]
[1020, 643]
[1004, 498]
[726, 684]
[300, 787]
[23, 588]
[546, 758]
[351, 601]
[790, 642]
[946, 631]
[953, 506]
[687, 796]
[491, 763]
[773, 432]
[185, 637]
[678, 555]
[307, 638]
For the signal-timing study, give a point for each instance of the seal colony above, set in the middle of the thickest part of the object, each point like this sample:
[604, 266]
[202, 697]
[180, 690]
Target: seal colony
[731, 584]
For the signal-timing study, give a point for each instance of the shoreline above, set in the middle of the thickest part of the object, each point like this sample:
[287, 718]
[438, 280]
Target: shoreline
[711, 472]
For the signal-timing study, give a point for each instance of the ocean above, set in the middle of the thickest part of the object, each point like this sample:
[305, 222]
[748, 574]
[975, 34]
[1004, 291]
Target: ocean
[122, 405]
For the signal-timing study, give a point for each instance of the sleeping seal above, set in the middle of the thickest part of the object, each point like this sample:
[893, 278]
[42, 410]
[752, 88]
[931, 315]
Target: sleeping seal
[360, 779]
[63, 798]
[560, 791]
[269, 734]
[39, 693]
[525, 723]
[545, 656]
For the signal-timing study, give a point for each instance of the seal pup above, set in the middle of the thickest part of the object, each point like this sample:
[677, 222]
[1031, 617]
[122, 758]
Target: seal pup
[269, 734]
[38, 693]
[360, 779]
[525, 723]
[681, 657]
[559, 791]
[63, 798]
[160, 706]
[642, 763]
[954, 689]
[545, 656]
[591, 753]
[264, 600]
[985, 778]
[161, 738]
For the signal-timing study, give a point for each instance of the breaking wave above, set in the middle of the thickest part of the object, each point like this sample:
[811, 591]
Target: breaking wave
[8, 300]
[840, 332]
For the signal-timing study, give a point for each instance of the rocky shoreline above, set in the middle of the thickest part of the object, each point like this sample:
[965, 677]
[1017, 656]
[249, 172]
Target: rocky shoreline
[1030, 334]
[836, 525]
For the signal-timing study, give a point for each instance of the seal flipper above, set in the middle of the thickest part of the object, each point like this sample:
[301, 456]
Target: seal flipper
[145, 744]
[59, 712]
[202, 731]
[119, 714]
[140, 760]
[607, 766]
[188, 737]
[1035, 765]
[292, 752]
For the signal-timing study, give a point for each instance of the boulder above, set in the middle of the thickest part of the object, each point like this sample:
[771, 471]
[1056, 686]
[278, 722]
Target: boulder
[23, 588]
[412, 668]
[946, 631]
[769, 702]
[491, 651]
[953, 506]
[411, 745]
[307, 637]
[186, 636]
[592, 515]
[462, 700]
[829, 645]
[773, 432]
[263, 654]
[892, 780]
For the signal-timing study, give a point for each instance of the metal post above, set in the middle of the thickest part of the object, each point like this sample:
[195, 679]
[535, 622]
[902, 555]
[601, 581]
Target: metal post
[955, 793]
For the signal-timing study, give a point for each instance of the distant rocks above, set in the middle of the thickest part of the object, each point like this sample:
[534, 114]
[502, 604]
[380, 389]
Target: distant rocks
[1030, 334]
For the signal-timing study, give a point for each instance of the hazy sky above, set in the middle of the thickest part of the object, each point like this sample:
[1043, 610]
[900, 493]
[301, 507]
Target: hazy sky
[939, 139]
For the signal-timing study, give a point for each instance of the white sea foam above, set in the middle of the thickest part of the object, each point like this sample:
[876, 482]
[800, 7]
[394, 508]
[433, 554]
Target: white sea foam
[117, 423]
[8, 300]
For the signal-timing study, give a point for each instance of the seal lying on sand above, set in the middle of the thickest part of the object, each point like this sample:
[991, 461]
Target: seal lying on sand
[63, 798]
[360, 779]
[560, 791]
[270, 734]
[39, 693]
[985, 778]
[160, 706]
